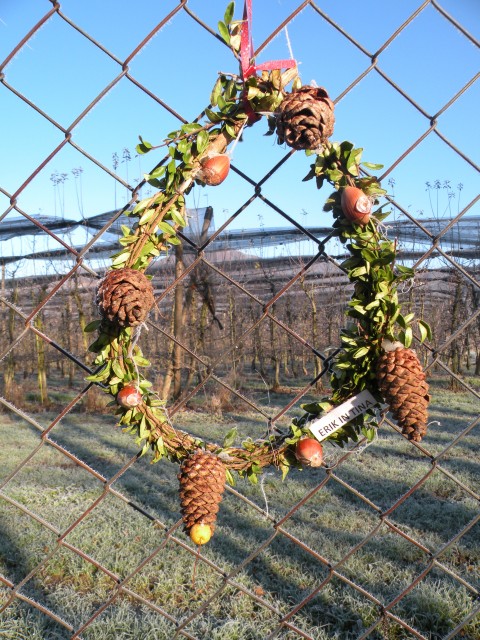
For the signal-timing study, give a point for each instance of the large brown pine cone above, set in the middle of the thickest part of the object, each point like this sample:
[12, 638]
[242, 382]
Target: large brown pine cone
[306, 118]
[402, 383]
[202, 482]
[125, 297]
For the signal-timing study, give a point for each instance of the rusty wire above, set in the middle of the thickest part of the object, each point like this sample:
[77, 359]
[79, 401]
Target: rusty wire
[433, 560]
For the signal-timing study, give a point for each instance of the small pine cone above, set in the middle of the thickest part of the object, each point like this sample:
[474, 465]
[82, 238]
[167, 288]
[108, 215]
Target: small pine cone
[125, 297]
[306, 118]
[202, 482]
[402, 383]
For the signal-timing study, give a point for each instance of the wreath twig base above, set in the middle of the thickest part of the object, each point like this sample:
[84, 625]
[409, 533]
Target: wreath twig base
[303, 119]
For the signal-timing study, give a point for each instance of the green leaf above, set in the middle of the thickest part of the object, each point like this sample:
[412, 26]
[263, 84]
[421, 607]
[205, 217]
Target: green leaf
[143, 147]
[102, 375]
[191, 127]
[406, 337]
[230, 438]
[369, 433]
[157, 184]
[145, 448]
[146, 216]
[229, 477]
[158, 172]
[248, 444]
[360, 309]
[126, 241]
[117, 369]
[140, 206]
[216, 92]
[149, 248]
[166, 228]
[359, 353]
[346, 146]
[343, 365]
[212, 116]
[312, 407]
[334, 175]
[309, 176]
[372, 165]
[425, 331]
[230, 130]
[368, 255]
[202, 141]
[178, 218]
[352, 166]
[351, 262]
[224, 32]
[284, 467]
[404, 321]
[123, 257]
[227, 18]
[141, 361]
[386, 258]
[359, 271]
[143, 429]
[92, 326]
[230, 90]
[326, 405]
[405, 270]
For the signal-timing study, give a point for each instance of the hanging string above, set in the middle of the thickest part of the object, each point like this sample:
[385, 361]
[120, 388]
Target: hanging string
[289, 44]
[133, 344]
[262, 488]
[237, 139]
[136, 337]
[332, 457]
[195, 564]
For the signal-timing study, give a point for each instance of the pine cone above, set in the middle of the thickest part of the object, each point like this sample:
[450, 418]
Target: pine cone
[402, 383]
[306, 118]
[202, 482]
[125, 297]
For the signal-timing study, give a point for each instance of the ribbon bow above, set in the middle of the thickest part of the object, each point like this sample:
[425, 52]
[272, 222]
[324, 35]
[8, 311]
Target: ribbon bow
[247, 64]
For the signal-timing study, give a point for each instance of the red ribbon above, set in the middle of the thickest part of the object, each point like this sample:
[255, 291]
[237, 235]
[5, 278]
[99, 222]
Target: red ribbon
[247, 64]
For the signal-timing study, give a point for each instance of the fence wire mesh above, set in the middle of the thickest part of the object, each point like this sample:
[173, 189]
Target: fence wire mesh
[276, 569]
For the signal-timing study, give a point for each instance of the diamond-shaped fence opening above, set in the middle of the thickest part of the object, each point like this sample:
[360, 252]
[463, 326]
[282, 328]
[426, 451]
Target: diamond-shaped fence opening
[381, 541]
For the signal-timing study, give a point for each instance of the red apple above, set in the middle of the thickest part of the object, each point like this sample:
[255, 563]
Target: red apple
[214, 169]
[129, 396]
[356, 205]
[309, 452]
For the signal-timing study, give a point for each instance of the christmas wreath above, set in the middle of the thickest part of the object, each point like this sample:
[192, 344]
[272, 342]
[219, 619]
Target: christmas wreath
[376, 354]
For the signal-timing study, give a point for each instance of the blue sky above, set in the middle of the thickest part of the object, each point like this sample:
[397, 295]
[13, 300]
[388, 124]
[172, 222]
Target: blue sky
[62, 72]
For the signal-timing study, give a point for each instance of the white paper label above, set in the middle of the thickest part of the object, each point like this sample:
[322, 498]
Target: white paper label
[338, 417]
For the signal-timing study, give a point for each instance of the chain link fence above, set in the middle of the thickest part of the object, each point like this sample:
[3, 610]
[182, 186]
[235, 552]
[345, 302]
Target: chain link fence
[284, 563]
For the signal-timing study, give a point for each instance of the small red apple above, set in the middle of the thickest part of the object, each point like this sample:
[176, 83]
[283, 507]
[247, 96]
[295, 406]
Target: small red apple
[309, 452]
[356, 205]
[214, 169]
[129, 396]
